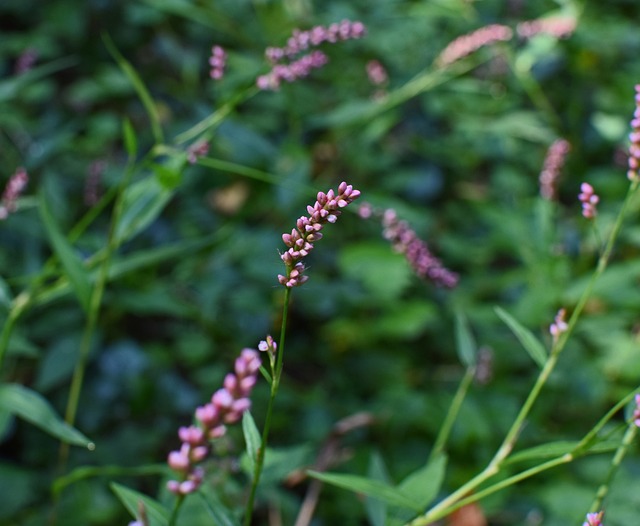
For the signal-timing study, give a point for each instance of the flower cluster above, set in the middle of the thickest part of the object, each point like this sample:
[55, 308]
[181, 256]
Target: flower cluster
[594, 519]
[376, 73]
[551, 169]
[226, 407]
[12, 191]
[301, 239]
[559, 325]
[301, 41]
[467, 44]
[197, 150]
[217, 61]
[406, 241]
[589, 200]
[634, 137]
[636, 412]
[558, 27]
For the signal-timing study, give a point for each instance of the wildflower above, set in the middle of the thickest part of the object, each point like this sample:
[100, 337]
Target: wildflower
[467, 44]
[558, 27]
[376, 73]
[594, 519]
[302, 238]
[553, 163]
[589, 200]
[300, 42]
[559, 325]
[197, 150]
[423, 262]
[12, 191]
[634, 137]
[217, 61]
[226, 407]
[25, 61]
[636, 412]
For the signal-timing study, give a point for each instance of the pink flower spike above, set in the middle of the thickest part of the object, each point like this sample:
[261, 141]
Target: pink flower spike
[589, 200]
[594, 519]
[634, 137]
[636, 412]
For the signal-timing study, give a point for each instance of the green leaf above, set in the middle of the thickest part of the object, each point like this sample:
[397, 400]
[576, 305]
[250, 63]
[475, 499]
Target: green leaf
[138, 84]
[465, 343]
[371, 488]
[423, 485]
[143, 203]
[376, 509]
[157, 514]
[557, 449]
[33, 408]
[531, 344]
[71, 263]
[220, 514]
[130, 139]
[251, 437]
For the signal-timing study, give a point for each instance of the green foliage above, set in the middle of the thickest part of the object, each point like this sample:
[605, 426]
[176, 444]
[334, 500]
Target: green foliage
[188, 256]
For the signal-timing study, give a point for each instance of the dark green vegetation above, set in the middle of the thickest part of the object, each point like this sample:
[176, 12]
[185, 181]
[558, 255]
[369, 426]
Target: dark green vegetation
[192, 277]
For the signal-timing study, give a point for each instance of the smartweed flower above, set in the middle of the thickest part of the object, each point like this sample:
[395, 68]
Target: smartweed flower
[636, 411]
[594, 519]
[589, 200]
[301, 239]
[217, 61]
[467, 44]
[299, 42]
[634, 137]
[558, 27]
[406, 241]
[559, 325]
[197, 150]
[12, 191]
[376, 73]
[553, 163]
[226, 407]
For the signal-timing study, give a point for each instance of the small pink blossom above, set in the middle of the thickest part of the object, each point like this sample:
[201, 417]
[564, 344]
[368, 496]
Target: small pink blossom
[636, 411]
[376, 73]
[197, 150]
[559, 325]
[16, 185]
[589, 200]
[594, 519]
[217, 61]
[558, 27]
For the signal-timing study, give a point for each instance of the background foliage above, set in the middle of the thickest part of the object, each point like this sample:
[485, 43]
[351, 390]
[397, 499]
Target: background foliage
[460, 161]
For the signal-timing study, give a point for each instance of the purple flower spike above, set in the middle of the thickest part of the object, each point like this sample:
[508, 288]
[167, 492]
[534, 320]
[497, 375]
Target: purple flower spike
[12, 191]
[636, 412]
[217, 61]
[467, 44]
[634, 137]
[226, 407]
[300, 241]
[551, 170]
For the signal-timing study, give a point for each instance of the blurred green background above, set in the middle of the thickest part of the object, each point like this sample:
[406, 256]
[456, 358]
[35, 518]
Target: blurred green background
[460, 161]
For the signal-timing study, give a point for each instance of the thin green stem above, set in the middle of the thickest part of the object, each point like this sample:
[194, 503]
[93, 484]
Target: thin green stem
[275, 383]
[452, 413]
[603, 490]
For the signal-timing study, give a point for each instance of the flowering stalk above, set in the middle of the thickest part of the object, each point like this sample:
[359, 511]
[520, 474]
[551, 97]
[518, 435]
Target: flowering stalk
[217, 61]
[300, 242]
[589, 200]
[551, 169]
[226, 407]
[558, 27]
[467, 44]
[460, 496]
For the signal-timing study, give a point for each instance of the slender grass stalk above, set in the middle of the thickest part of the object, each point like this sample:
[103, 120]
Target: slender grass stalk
[275, 384]
[444, 507]
[452, 413]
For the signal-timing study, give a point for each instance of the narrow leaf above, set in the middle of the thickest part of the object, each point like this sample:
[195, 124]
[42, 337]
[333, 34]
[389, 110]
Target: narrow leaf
[423, 485]
[219, 512]
[465, 343]
[32, 407]
[371, 488]
[141, 89]
[251, 437]
[376, 509]
[531, 344]
[71, 263]
[157, 514]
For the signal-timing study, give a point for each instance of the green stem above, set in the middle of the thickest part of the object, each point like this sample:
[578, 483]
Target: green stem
[445, 506]
[452, 413]
[603, 490]
[275, 383]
